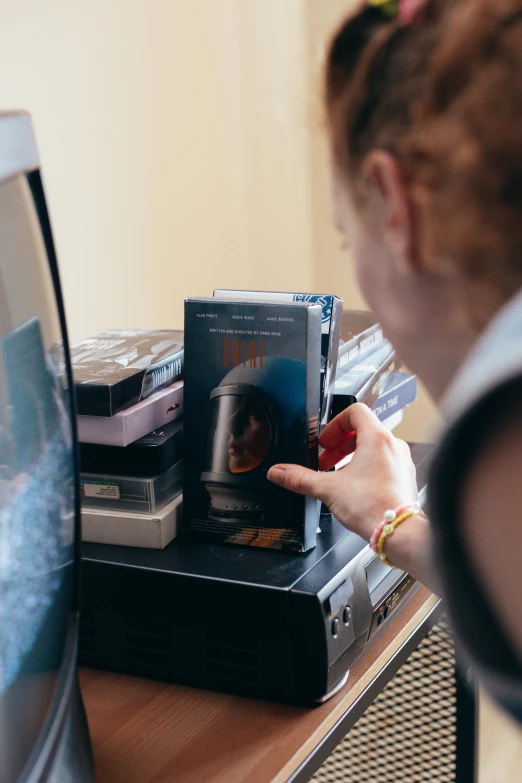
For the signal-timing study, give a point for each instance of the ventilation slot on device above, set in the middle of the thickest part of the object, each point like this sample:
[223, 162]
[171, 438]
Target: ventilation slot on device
[232, 656]
[150, 642]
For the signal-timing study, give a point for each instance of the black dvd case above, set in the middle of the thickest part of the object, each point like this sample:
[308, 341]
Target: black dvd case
[151, 455]
[118, 368]
[252, 398]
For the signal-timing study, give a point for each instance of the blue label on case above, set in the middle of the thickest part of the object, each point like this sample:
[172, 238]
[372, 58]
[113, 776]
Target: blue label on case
[326, 303]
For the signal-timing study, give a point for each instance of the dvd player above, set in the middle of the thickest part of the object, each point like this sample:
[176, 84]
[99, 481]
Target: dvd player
[260, 623]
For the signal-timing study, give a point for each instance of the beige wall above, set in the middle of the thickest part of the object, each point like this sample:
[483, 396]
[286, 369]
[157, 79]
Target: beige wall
[172, 147]
[182, 149]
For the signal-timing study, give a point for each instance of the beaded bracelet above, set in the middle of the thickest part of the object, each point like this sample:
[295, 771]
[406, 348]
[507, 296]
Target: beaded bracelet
[392, 519]
[389, 516]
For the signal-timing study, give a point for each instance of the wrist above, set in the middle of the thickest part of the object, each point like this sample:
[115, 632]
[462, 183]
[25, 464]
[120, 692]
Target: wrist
[391, 519]
[366, 525]
[409, 548]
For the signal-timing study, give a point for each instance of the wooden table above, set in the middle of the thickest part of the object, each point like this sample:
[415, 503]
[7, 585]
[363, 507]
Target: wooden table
[145, 731]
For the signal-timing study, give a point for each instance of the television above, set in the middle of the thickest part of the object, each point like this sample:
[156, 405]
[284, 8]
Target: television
[43, 730]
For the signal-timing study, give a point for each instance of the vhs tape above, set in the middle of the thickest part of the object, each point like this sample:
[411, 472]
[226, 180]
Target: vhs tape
[127, 528]
[252, 388]
[133, 423]
[365, 380]
[399, 391]
[118, 368]
[360, 333]
[144, 495]
[148, 456]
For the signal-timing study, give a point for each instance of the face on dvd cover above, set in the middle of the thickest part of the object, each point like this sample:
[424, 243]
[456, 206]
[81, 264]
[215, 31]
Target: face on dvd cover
[252, 387]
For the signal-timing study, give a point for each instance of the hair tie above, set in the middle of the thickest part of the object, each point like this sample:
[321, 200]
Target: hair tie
[405, 11]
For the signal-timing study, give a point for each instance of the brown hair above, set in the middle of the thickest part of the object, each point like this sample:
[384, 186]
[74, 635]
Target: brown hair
[443, 95]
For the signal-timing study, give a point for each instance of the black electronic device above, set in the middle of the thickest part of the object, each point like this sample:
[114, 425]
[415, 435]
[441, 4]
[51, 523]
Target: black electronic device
[275, 625]
[43, 731]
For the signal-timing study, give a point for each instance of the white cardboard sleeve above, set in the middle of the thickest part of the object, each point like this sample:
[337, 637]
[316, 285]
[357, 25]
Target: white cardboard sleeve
[126, 528]
[127, 426]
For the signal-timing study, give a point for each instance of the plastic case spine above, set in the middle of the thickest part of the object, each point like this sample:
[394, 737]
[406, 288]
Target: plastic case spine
[350, 351]
[400, 391]
[313, 393]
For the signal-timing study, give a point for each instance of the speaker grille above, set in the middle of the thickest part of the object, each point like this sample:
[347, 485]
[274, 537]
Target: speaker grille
[408, 735]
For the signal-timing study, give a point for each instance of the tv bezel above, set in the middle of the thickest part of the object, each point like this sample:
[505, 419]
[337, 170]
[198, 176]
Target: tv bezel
[19, 156]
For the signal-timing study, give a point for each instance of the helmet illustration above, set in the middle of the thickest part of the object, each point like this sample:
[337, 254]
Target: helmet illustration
[257, 418]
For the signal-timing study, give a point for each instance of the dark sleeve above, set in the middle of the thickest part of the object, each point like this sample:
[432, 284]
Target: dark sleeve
[472, 613]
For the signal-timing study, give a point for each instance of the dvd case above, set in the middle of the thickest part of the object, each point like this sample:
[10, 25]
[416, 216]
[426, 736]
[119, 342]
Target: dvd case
[400, 390]
[118, 368]
[364, 381]
[127, 528]
[148, 456]
[144, 495]
[251, 400]
[360, 333]
[133, 423]
[332, 313]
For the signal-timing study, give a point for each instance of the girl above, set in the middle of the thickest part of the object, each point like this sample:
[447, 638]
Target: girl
[424, 107]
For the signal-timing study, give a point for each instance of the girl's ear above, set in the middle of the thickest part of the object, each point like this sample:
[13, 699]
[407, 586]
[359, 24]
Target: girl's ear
[389, 192]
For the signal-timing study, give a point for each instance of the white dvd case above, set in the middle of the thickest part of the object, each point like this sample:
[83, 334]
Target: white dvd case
[127, 528]
[133, 423]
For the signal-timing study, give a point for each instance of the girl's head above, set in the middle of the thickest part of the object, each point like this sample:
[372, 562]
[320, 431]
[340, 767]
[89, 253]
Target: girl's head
[425, 124]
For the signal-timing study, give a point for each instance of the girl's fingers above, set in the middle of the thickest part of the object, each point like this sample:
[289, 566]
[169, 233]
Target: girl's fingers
[301, 480]
[356, 419]
[330, 457]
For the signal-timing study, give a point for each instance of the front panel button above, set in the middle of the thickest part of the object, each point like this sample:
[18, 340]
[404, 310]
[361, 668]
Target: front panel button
[336, 627]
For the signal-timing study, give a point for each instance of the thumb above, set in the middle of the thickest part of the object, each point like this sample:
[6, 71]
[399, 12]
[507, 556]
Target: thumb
[299, 479]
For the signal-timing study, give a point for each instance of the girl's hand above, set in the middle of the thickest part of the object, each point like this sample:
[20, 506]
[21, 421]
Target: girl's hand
[380, 476]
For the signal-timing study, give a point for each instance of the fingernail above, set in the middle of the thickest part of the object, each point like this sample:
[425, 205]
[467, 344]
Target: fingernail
[276, 475]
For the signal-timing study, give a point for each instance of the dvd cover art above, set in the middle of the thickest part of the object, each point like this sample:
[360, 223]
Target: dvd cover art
[252, 390]
[332, 314]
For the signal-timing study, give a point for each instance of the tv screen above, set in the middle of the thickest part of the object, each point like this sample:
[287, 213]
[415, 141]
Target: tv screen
[38, 477]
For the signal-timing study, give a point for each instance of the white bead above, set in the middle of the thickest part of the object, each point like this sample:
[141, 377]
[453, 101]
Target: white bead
[389, 515]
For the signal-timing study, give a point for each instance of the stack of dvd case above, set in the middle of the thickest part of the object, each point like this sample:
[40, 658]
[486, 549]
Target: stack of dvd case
[368, 371]
[129, 391]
